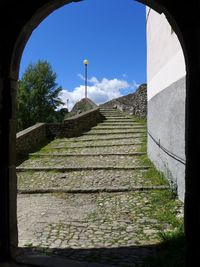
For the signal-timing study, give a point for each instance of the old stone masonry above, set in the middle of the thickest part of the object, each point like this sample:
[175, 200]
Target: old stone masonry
[95, 199]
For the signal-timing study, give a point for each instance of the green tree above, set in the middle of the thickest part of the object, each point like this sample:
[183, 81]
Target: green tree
[38, 95]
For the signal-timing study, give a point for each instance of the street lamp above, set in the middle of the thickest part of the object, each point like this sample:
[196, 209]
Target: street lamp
[85, 62]
[67, 104]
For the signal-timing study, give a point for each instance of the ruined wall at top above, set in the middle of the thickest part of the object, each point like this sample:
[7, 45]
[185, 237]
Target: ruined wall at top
[134, 104]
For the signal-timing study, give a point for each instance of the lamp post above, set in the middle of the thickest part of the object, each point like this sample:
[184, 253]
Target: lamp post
[67, 104]
[85, 62]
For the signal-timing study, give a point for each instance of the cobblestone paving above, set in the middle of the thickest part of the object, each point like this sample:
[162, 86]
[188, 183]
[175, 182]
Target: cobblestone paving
[83, 179]
[108, 228]
[94, 149]
[96, 142]
[121, 161]
[85, 138]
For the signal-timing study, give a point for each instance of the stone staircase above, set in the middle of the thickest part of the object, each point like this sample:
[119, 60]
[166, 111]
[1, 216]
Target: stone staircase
[92, 197]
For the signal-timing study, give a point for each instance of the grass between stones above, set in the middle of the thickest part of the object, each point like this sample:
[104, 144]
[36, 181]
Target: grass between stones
[151, 217]
[165, 207]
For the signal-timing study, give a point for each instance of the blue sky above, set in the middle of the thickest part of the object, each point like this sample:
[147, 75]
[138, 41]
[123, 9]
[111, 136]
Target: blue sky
[111, 34]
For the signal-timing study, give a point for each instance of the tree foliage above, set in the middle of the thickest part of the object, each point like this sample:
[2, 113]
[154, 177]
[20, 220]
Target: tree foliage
[38, 96]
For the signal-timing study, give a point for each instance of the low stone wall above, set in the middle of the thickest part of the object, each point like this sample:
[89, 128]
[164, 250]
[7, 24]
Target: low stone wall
[37, 134]
[31, 137]
[76, 125]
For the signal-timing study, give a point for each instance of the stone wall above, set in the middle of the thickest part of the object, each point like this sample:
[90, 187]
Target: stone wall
[31, 137]
[82, 122]
[37, 134]
[85, 104]
[76, 125]
[134, 104]
[140, 102]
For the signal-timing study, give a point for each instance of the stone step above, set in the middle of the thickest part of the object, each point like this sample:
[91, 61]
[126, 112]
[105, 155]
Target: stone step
[96, 142]
[117, 127]
[111, 111]
[116, 123]
[97, 146]
[92, 190]
[96, 149]
[92, 132]
[121, 125]
[107, 108]
[83, 161]
[65, 169]
[86, 179]
[102, 107]
[91, 204]
[112, 114]
[107, 114]
[115, 119]
[97, 138]
[84, 154]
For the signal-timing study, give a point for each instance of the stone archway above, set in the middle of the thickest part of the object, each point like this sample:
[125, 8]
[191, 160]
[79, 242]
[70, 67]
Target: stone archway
[14, 37]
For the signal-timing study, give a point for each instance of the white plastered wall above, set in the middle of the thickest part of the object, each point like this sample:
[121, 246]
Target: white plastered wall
[165, 59]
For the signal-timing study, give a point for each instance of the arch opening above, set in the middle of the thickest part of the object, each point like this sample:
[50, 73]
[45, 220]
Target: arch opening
[43, 12]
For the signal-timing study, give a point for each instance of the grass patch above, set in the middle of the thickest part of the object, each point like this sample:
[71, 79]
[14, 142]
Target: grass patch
[156, 177]
[164, 208]
[144, 120]
[137, 119]
[152, 173]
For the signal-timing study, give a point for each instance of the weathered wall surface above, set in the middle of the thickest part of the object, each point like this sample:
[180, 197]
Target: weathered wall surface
[166, 100]
[135, 104]
[37, 134]
[76, 125]
[166, 124]
[85, 104]
[31, 137]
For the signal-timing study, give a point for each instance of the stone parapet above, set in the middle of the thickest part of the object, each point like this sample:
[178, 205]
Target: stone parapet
[37, 134]
[83, 122]
[76, 125]
[31, 137]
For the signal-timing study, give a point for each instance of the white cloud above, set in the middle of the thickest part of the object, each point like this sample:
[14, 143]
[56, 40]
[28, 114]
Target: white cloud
[81, 77]
[99, 91]
[90, 80]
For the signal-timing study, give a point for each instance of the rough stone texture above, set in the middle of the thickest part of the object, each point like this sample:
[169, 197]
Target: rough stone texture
[81, 106]
[107, 227]
[76, 125]
[35, 135]
[29, 138]
[135, 104]
[89, 179]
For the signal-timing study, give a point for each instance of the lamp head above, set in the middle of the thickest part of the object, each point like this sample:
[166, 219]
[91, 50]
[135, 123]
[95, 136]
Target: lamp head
[85, 61]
